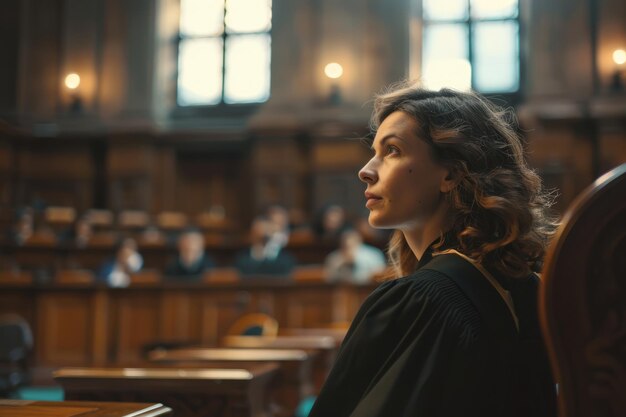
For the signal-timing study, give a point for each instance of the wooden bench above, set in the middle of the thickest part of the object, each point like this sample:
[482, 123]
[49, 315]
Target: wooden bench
[188, 392]
[327, 344]
[294, 381]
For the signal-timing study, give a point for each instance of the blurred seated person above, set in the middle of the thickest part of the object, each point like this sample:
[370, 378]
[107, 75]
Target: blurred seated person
[116, 272]
[278, 220]
[24, 226]
[29, 225]
[331, 223]
[191, 261]
[354, 261]
[82, 231]
[264, 258]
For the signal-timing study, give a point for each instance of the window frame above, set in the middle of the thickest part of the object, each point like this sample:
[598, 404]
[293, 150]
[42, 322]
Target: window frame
[222, 108]
[512, 97]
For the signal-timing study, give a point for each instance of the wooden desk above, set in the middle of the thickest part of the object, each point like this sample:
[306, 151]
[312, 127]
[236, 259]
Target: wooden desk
[281, 342]
[337, 334]
[23, 408]
[327, 345]
[295, 377]
[188, 392]
[226, 354]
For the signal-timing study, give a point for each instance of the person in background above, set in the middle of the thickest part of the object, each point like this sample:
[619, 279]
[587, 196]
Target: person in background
[278, 220]
[262, 258]
[24, 226]
[330, 223]
[116, 272]
[81, 233]
[354, 261]
[191, 261]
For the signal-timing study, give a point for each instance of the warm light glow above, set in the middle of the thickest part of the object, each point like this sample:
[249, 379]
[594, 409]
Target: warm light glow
[333, 70]
[72, 81]
[619, 56]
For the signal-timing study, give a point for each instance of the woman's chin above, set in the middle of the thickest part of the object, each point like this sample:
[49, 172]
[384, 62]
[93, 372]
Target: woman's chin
[377, 222]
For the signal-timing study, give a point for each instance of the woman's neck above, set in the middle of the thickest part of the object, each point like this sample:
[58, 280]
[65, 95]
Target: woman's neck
[421, 237]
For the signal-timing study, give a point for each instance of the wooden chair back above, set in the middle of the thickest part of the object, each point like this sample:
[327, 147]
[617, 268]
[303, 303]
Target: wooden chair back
[254, 324]
[583, 301]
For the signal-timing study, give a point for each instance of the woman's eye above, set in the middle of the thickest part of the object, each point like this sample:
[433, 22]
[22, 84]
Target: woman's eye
[392, 150]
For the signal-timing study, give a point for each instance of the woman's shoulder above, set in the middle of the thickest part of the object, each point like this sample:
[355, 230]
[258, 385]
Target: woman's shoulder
[423, 290]
[423, 300]
[422, 280]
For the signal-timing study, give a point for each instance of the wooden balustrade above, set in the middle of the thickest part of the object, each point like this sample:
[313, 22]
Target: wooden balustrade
[92, 325]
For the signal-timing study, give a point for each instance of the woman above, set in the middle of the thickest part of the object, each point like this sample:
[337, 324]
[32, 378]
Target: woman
[458, 334]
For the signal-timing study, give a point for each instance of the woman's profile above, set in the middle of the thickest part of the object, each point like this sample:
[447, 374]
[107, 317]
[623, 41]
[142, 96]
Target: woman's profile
[455, 332]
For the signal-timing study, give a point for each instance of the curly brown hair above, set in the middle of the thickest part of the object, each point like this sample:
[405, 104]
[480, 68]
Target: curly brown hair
[501, 211]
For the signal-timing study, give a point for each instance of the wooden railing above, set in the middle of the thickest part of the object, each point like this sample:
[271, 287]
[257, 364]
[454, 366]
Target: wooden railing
[90, 325]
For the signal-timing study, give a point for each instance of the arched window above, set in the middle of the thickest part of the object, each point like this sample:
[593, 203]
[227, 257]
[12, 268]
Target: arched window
[471, 44]
[224, 52]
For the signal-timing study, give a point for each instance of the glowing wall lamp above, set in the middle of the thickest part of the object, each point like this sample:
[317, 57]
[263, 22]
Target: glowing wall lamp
[72, 82]
[619, 58]
[334, 71]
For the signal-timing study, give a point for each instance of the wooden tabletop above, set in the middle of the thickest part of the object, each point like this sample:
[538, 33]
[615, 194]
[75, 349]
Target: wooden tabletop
[337, 334]
[84, 379]
[23, 408]
[189, 392]
[225, 354]
[282, 342]
[150, 373]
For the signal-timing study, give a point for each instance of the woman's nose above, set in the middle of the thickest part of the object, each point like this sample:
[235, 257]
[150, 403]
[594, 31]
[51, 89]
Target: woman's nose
[368, 174]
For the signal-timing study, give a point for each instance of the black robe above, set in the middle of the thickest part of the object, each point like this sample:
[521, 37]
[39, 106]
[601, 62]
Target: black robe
[424, 346]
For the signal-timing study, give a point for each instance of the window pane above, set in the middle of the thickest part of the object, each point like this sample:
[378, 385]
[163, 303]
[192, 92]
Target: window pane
[496, 56]
[248, 15]
[247, 68]
[445, 9]
[485, 9]
[445, 57]
[201, 17]
[200, 71]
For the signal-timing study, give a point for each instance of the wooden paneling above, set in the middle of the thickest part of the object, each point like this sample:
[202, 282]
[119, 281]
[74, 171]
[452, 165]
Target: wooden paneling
[65, 335]
[53, 174]
[205, 179]
[339, 153]
[307, 308]
[94, 325]
[136, 324]
[220, 309]
[71, 162]
[17, 301]
[572, 143]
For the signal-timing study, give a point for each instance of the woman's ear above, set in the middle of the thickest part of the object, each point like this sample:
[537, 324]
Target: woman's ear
[449, 181]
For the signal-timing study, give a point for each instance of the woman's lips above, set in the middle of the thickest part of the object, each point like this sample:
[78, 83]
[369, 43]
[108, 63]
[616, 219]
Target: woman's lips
[372, 199]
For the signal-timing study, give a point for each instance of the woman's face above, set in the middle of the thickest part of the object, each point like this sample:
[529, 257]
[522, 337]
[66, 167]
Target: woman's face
[404, 184]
